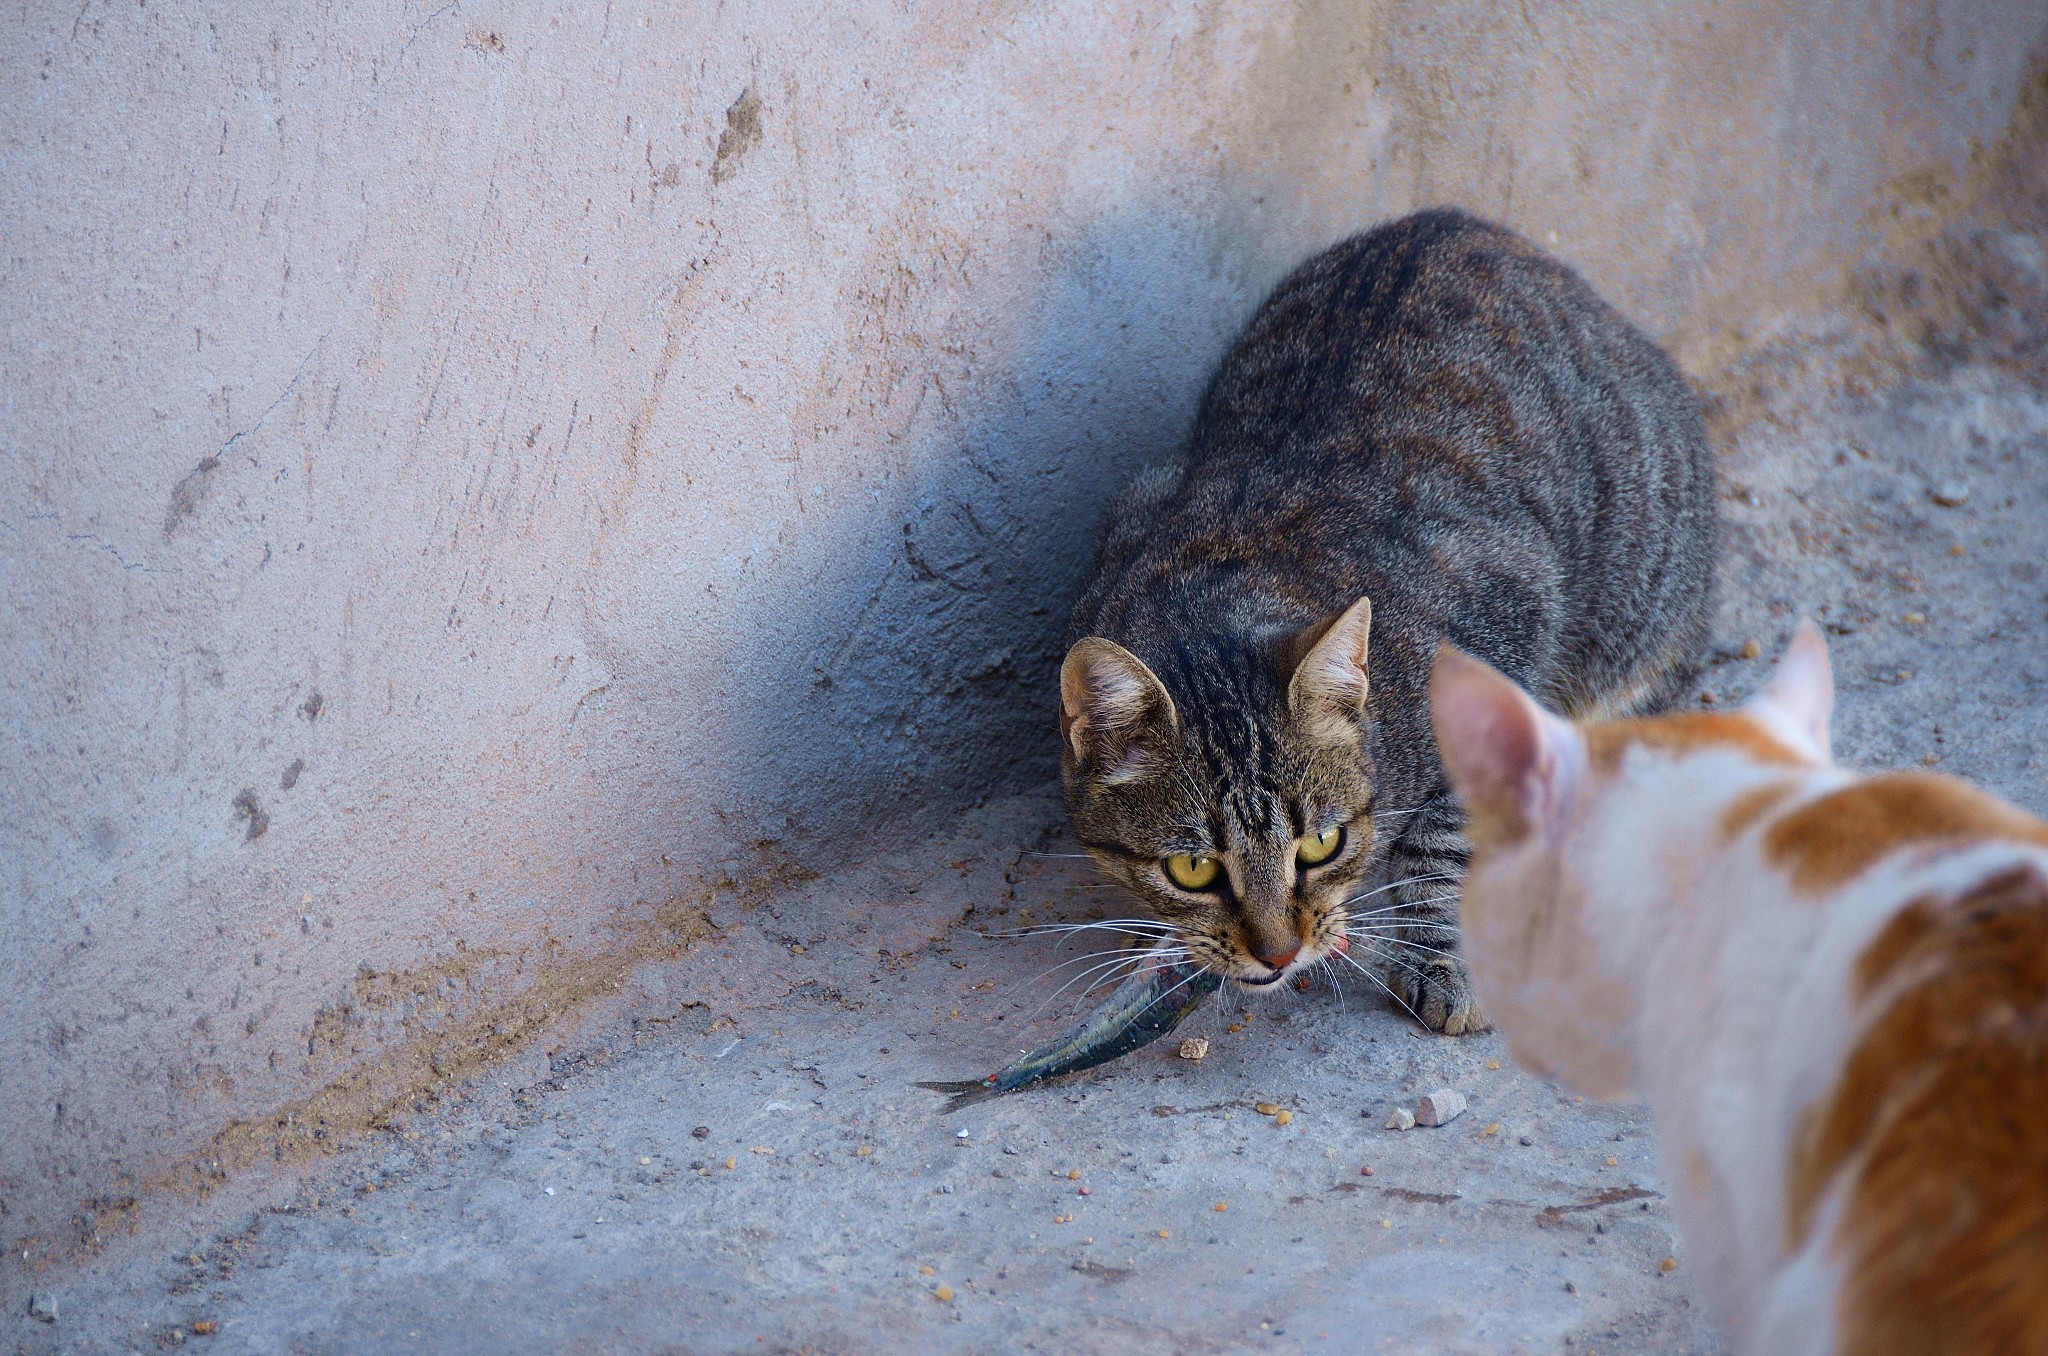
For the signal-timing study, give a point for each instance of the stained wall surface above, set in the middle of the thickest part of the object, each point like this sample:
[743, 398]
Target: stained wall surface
[475, 477]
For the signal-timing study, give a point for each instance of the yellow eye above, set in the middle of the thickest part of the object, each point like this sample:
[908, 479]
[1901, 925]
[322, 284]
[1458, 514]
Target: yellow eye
[1319, 848]
[1191, 872]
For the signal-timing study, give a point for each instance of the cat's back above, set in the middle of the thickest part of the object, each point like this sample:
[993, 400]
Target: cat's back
[1438, 415]
[1921, 1172]
[1437, 324]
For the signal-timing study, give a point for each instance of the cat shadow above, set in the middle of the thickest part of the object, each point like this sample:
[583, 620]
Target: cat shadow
[926, 682]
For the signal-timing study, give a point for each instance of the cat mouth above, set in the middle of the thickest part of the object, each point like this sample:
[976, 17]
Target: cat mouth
[1299, 963]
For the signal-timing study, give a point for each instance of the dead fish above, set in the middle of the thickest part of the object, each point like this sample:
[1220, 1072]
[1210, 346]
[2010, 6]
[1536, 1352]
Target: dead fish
[1148, 1004]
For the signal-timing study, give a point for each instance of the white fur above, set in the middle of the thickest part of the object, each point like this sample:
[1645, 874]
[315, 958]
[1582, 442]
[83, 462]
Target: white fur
[1626, 945]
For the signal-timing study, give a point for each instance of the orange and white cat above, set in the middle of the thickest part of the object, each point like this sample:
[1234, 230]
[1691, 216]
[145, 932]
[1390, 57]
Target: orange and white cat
[1831, 988]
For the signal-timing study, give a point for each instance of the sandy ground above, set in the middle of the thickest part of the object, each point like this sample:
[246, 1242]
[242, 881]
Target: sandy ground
[748, 1168]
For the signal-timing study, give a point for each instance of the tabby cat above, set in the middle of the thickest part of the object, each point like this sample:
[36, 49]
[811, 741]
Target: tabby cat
[1430, 431]
[1832, 989]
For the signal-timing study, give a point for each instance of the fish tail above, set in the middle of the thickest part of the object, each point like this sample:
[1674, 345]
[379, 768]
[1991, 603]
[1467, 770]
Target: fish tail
[965, 1093]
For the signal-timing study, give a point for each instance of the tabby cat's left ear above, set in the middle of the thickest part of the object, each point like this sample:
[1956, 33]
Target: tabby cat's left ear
[1327, 691]
[1510, 761]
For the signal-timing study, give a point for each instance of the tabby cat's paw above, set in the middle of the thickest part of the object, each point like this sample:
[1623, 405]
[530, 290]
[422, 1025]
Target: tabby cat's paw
[1438, 994]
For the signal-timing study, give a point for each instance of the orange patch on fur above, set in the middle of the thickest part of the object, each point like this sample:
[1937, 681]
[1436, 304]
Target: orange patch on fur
[1752, 805]
[1834, 839]
[1687, 732]
[1491, 827]
[1936, 1133]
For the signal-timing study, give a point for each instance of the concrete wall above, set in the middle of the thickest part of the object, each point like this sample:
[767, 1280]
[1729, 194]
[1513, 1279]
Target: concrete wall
[475, 474]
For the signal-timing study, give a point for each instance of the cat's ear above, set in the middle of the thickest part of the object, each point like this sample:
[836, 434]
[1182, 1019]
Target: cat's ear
[1327, 691]
[1510, 761]
[1799, 701]
[1114, 712]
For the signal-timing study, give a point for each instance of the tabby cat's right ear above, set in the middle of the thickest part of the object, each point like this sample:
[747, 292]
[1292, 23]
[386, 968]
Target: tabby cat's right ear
[1114, 712]
[1510, 761]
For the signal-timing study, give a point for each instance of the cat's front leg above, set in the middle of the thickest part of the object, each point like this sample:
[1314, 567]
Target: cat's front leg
[1419, 947]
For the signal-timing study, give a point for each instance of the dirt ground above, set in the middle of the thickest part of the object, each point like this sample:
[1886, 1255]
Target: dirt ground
[748, 1167]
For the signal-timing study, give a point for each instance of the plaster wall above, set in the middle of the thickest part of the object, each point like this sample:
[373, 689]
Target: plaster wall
[482, 483]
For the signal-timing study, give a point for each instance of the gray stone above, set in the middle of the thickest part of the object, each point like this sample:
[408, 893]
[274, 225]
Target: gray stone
[1440, 1107]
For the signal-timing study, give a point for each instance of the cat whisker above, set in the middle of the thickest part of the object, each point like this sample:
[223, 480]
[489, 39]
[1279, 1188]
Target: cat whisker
[1397, 884]
[1115, 955]
[1384, 988]
[1372, 940]
[1094, 974]
[1330, 975]
[1405, 906]
[1136, 927]
[1396, 927]
[1418, 973]
[1375, 913]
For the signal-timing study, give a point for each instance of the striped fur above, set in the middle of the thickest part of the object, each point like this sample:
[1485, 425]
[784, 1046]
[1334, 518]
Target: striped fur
[1832, 989]
[1438, 419]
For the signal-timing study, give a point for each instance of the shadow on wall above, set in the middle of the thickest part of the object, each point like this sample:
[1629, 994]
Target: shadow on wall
[930, 672]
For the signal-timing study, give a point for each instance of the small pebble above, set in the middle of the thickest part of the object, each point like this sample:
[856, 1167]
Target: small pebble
[1955, 550]
[1490, 1131]
[943, 1294]
[1570, 1289]
[962, 1134]
[42, 1306]
[924, 1271]
[1166, 1233]
[1073, 1174]
[1402, 1119]
[1612, 1161]
[1668, 1265]
[1283, 1117]
[1915, 619]
[1751, 649]
[1493, 1064]
[1194, 1047]
[646, 1162]
[863, 1151]
[1365, 1172]
[732, 1162]
[1222, 1206]
[1949, 494]
[203, 1328]
[1525, 1140]
[701, 1132]
[1440, 1108]
[1266, 1108]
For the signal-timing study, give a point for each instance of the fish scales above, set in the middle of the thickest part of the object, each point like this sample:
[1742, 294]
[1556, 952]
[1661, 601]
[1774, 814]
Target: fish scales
[1148, 1004]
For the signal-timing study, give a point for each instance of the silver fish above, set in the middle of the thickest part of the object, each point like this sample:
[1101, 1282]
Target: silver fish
[1148, 1004]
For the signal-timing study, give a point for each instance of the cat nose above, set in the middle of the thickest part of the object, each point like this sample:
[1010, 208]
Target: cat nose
[1280, 960]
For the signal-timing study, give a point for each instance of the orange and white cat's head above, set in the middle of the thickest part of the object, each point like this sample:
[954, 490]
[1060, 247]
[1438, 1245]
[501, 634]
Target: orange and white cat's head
[1575, 829]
